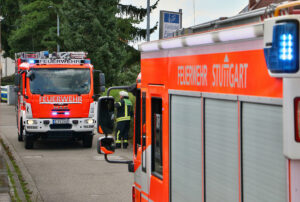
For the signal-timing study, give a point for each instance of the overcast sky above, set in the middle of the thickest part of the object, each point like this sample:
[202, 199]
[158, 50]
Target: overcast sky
[205, 10]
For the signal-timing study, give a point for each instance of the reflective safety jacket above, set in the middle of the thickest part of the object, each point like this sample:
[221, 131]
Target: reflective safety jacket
[124, 109]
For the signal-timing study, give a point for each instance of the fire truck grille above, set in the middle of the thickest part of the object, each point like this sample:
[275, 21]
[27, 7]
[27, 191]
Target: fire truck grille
[61, 126]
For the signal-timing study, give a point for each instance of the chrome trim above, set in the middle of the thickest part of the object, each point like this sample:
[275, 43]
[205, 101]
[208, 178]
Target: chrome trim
[262, 100]
[220, 96]
[185, 93]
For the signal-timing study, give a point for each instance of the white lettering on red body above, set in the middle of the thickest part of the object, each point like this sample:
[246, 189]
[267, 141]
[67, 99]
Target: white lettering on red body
[192, 75]
[226, 75]
[56, 99]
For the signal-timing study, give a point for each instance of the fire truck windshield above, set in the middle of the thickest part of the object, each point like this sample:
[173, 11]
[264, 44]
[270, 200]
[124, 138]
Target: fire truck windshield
[60, 81]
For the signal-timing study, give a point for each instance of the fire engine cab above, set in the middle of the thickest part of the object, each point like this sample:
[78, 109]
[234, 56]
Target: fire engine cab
[55, 97]
[217, 113]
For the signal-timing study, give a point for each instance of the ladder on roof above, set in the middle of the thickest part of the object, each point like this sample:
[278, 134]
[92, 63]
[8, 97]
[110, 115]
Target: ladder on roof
[55, 55]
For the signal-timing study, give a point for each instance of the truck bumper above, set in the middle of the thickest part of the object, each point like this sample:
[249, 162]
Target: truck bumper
[76, 125]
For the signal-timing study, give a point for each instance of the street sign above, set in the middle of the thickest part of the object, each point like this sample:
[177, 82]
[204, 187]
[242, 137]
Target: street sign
[169, 23]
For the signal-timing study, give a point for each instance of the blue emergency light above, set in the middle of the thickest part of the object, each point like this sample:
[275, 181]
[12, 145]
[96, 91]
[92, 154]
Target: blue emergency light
[46, 53]
[87, 61]
[283, 56]
[31, 61]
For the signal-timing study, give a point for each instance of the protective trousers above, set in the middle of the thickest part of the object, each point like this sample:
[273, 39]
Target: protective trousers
[122, 131]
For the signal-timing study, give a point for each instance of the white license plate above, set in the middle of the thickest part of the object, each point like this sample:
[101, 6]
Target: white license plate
[60, 121]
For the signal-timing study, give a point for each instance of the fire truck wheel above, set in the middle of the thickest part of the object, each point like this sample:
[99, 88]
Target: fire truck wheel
[28, 142]
[20, 134]
[87, 140]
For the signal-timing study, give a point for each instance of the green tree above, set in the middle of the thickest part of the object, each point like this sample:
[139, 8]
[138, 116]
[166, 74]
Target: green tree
[98, 27]
[9, 10]
[35, 28]
[102, 28]
[130, 16]
[90, 25]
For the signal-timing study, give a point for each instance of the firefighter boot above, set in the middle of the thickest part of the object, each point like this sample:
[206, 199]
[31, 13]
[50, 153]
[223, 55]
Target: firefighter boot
[118, 145]
[125, 144]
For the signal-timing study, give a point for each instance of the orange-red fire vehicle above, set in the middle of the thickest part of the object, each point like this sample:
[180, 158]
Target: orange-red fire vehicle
[217, 113]
[55, 97]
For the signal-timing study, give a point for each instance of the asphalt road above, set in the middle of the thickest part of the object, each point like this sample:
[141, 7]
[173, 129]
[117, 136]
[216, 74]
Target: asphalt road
[65, 171]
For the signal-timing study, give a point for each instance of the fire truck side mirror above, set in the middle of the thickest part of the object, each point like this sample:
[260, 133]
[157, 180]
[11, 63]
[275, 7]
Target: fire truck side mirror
[105, 116]
[106, 145]
[30, 75]
[102, 82]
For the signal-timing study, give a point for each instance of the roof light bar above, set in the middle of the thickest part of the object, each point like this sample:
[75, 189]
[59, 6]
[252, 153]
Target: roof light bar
[237, 34]
[234, 34]
[174, 43]
[147, 47]
[199, 40]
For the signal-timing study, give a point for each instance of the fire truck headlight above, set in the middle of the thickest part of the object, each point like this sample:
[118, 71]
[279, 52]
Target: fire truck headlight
[89, 121]
[31, 122]
[282, 56]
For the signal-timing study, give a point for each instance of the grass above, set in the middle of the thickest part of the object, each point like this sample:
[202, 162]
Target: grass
[23, 183]
[10, 175]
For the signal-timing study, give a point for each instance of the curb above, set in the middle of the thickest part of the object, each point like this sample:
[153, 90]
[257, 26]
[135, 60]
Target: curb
[36, 195]
[4, 188]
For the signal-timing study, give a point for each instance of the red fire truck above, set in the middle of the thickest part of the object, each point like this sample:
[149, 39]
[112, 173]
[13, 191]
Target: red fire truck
[217, 115]
[55, 97]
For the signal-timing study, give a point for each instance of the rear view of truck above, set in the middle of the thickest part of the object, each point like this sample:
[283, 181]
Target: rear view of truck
[55, 97]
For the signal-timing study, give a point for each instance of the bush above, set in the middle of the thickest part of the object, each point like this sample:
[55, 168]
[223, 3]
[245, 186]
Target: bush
[8, 80]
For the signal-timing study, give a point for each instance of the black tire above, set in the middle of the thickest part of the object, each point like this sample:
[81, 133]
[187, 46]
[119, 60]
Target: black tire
[87, 140]
[28, 142]
[20, 138]
[20, 134]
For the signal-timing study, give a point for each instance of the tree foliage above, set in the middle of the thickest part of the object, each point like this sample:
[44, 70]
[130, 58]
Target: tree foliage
[35, 28]
[91, 26]
[10, 12]
[103, 28]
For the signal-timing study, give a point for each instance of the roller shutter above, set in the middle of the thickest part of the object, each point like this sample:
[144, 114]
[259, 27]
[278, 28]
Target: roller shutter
[264, 166]
[186, 149]
[221, 151]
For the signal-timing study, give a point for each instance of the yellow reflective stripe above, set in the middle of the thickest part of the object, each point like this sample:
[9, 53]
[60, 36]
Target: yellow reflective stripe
[126, 109]
[118, 139]
[125, 141]
[3, 98]
[123, 119]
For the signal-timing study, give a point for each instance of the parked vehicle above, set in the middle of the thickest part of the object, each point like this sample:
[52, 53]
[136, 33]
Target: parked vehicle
[55, 97]
[3, 93]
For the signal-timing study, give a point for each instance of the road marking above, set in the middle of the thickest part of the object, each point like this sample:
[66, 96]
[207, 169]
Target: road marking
[33, 157]
[101, 158]
[96, 195]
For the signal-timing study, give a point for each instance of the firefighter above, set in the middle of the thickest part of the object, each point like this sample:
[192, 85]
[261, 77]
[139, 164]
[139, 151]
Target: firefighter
[124, 113]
